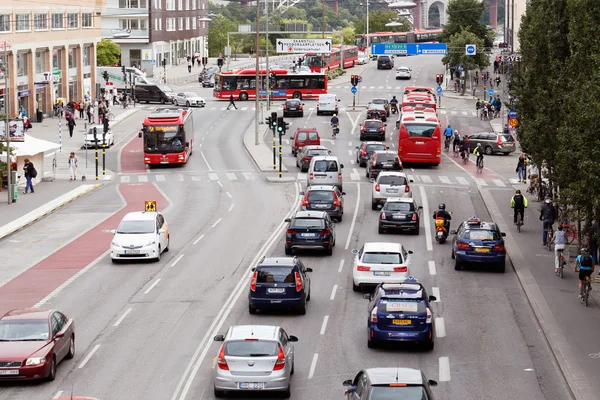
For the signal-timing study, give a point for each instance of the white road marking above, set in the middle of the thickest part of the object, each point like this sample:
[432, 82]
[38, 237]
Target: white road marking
[432, 270]
[444, 373]
[206, 161]
[453, 112]
[245, 108]
[426, 179]
[213, 176]
[248, 176]
[480, 182]
[324, 324]
[440, 328]
[350, 144]
[410, 178]
[341, 266]
[426, 212]
[220, 183]
[352, 162]
[514, 181]
[199, 239]
[465, 113]
[216, 223]
[231, 176]
[333, 290]
[57, 395]
[355, 175]
[462, 180]
[176, 260]
[229, 195]
[143, 178]
[443, 112]
[313, 366]
[445, 179]
[197, 178]
[123, 317]
[160, 178]
[499, 182]
[231, 207]
[87, 358]
[350, 151]
[354, 216]
[152, 286]
[179, 177]
[436, 292]
[125, 179]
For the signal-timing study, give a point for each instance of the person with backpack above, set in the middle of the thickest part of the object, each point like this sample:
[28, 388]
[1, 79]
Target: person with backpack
[585, 263]
[519, 203]
[548, 216]
[560, 242]
[30, 173]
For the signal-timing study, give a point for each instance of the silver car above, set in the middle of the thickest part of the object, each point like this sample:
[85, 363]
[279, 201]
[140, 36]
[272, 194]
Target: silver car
[403, 73]
[189, 99]
[254, 358]
[389, 184]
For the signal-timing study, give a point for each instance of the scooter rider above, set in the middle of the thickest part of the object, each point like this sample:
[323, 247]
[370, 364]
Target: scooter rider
[442, 213]
[335, 123]
[394, 104]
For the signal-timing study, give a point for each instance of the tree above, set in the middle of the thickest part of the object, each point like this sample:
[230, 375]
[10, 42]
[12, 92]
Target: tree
[457, 56]
[107, 53]
[348, 34]
[466, 14]
[217, 34]
[378, 20]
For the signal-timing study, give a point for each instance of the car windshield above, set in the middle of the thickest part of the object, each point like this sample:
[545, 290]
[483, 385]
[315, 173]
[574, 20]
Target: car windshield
[293, 103]
[132, 227]
[424, 105]
[304, 223]
[391, 180]
[481, 234]
[19, 330]
[423, 131]
[394, 393]
[251, 348]
[402, 305]
[397, 206]
[278, 274]
[165, 89]
[379, 101]
[190, 94]
[376, 106]
[382, 257]
[386, 157]
[320, 195]
[372, 124]
[374, 147]
[320, 152]
[325, 166]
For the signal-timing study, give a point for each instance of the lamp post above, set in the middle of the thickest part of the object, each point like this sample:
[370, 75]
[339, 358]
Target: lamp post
[7, 127]
[257, 76]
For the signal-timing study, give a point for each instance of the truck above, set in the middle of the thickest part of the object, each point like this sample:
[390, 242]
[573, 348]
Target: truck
[116, 79]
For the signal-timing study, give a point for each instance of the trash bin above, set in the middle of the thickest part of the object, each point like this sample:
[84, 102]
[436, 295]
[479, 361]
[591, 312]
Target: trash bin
[39, 116]
[15, 195]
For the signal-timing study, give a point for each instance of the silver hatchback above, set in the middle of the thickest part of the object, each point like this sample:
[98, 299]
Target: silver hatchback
[254, 358]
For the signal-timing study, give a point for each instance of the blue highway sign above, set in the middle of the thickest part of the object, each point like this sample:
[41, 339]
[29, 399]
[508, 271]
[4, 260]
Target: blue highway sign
[388, 48]
[408, 49]
[353, 90]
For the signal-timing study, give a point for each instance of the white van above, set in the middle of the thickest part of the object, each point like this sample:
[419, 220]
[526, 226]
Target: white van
[325, 170]
[327, 103]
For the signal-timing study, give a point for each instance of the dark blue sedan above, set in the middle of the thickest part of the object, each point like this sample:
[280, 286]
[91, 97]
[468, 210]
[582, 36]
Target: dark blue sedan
[478, 242]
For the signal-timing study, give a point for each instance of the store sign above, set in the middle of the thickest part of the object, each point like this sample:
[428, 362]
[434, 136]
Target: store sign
[17, 133]
[23, 93]
[147, 54]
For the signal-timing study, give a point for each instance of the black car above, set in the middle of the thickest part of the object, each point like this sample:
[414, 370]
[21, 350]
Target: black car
[324, 198]
[206, 73]
[385, 62]
[311, 230]
[382, 161]
[306, 153]
[390, 383]
[154, 94]
[293, 108]
[279, 283]
[400, 213]
[372, 128]
[364, 151]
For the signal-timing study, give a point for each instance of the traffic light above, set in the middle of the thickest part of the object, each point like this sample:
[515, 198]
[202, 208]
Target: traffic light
[219, 62]
[105, 76]
[273, 122]
[123, 69]
[354, 80]
[268, 119]
[439, 79]
[280, 125]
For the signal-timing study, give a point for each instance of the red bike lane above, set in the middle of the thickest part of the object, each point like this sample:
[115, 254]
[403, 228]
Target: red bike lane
[132, 156]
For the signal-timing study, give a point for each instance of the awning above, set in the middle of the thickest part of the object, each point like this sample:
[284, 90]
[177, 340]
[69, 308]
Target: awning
[32, 146]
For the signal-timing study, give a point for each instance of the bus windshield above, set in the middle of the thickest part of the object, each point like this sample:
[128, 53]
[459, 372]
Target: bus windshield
[314, 61]
[164, 139]
[421, 131]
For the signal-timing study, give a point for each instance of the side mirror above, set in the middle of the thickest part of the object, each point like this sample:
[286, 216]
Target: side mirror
[287, 220]
[420, 208]
[343, 193]
[309, 270]
[379, 206]
[453, 232]
[411, 181]
[253, 269]
[140, 134]
[432, 298]
[410, 252]
[302, 193]
[347, 382]
[384, 124]
[432, 383]
[293, 339]
[367, 296]
[354, 251]
[372, 180]
[357, 148]
[219, 338]
[59, 335]
[341, 165]
[503, 234]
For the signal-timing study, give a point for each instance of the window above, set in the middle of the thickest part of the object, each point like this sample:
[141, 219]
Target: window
[57, 56]
[22, 22]
[170, 4]
[22, 64]
[40, 22]
[180, 5]
[187, 4]
[132, 3]
[156, 24]
[180, 23]
[86, 56]
[194, 4]
[86, 20]
[134, 24]
[72, 20]
[187, 23]
[40, 61]
[170, 24]
[194, 23]
[72, 58]
[57, 21]
[5, 23]
[157, 4]
[203, 24]
[160, 24]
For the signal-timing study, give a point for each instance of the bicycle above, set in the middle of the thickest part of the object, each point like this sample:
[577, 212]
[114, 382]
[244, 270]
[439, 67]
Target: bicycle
[456, 151]
[110, 116]
[549, 236]
[447, 144]
[480, 166]
[519, 222]
[335, 131]
[570, 232]
[561, 262]
[587, 287]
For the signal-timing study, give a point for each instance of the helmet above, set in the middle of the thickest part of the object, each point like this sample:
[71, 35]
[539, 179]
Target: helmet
[548, 200]
[518, 191]
[394, 97]
[456, 132]
[442, 206]
[335, 115]
[478, 144]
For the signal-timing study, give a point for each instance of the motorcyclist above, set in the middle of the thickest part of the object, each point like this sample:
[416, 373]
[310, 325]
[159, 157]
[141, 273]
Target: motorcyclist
[456, 141]
[335, 120]
[479, 153]
[448, 134]
[547, 215]
[394, 104]
[442, 213]
[519, 203]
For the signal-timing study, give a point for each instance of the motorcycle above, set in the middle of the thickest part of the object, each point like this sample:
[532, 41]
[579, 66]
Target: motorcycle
[336, 130]
[394, 108]
[441, 234]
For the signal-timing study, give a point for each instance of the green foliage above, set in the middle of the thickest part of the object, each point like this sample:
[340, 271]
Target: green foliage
[377, 21]
[217, 34]
[335, 73]
[107, 53]
[457, 55]
[466, 14]
[348, 34]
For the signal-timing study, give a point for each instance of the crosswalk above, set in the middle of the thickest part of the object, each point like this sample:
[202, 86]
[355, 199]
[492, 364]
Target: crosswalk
[458, 113]
[208, 176]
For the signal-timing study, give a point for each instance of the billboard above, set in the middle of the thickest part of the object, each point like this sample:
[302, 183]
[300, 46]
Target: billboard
[17, 133]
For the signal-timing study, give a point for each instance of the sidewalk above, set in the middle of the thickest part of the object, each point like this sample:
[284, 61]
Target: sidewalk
[261, 153]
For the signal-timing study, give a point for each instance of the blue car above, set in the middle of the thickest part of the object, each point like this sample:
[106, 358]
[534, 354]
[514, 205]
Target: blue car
[400, 312]
[478, 242]
[279, 283]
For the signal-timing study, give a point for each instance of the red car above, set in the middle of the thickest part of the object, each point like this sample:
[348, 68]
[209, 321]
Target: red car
[304, 137]
[33, 342]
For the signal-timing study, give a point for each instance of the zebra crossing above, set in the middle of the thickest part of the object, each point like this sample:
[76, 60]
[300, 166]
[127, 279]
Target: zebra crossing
[214, 176]
[458, 113]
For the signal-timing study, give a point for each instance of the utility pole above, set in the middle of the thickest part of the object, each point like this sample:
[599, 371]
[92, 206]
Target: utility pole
[7, 127]
[267, 80]
[323, 22]
[257, 77]
[368, 51]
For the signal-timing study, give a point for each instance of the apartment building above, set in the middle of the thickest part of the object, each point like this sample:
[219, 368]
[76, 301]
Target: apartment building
[48, 49]
[149, 31]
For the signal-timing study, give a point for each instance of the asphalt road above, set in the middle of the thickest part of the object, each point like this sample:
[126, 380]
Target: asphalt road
[144, 331]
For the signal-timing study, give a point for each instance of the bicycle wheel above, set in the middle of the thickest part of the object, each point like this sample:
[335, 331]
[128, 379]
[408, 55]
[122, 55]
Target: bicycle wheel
[111, 117]
[518, 227]
[560, 268]
[586, 293]
[570, 234]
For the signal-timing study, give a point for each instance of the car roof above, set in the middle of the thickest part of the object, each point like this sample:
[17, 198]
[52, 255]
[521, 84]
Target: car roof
[382, 246]
[383, 376]
[272, 261]
[373, 120]
[391, 173]
[371, 142]
[321, 187]
[294, 100]
[252, 331]
[379, 98]
[315, 147]
[310, 214]
[27, 313]
[400, 200]
[409, 291]
[307, 130]
[326, 158]
[140, 216]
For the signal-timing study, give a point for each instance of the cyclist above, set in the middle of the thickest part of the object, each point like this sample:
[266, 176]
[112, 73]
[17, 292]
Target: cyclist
[519, 203]
[585, 262]
[456, 142]
[448, 134]
[479, 153]
[547, 215]
[335, 122]
[464, 147]
[560, 241]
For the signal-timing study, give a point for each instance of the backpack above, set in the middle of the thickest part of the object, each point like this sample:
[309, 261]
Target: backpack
[586, 259]
[34, 173]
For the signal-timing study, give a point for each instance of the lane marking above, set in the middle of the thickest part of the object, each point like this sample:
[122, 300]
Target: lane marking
[440, 328]
[220, 184]
[436, 292]
[499, 182]
[324, 325]
[461, 180]
[87, 358]
[229, 195]
[432, 270]
[444, 373]
[176, 260]
[199, 239]
[161, 178]
[426, 179]
[57, 395]
[231, 206]
[445, 180]
[152, 286]
[333, 292]
[231, 176]
[341, 265]
[426, 212]
[313, 366]
[205, 160]
[123, 317]
[355, 214]
[216, 223]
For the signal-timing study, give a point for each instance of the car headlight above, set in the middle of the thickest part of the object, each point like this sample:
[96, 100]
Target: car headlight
[150, 243]
[116, 244]
[35, 361]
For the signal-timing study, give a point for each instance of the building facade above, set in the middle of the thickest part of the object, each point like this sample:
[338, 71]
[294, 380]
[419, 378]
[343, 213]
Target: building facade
[50, 53]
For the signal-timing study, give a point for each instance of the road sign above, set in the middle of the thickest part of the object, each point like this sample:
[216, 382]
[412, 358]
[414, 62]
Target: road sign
[439, 90]
[408, 49]
[512, 114]
[470, 49]
[513, 122]
[151, 206]
[152, 62]
[303, 45]
[353, 90]
[387, 48]
[491, 92]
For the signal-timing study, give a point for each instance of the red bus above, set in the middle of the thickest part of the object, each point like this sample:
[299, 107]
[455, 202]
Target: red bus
[168, 136]
[419, 89]
[242, 84]
[318, 62]
[426, 101]
[415, 36]
[419, 139]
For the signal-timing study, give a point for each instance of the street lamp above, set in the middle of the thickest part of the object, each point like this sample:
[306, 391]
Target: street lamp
[367, 24]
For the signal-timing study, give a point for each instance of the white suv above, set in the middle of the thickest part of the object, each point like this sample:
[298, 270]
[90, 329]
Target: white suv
[389, 184]
[380, 262]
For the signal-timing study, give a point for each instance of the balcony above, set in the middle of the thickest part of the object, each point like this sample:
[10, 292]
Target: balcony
[135, 35]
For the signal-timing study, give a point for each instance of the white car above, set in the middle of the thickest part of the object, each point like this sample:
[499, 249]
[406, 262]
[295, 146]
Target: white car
[380, 262]
[403, 73]
[140, 235]
[189, 99]
[363, 58]
[389, 184]
[108, 140]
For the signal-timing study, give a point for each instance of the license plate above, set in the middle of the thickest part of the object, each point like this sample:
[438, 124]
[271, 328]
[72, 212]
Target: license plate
[381, 273]
[391, 190]
[276, 290]
[132, 252]
[321, 205]
[482, 250]
[292, 109]
[9, 372]
[388, 164]
[251, 385]
[398, 217]
[308, 235]
[164, 162]
[420, 142]
[401, 322]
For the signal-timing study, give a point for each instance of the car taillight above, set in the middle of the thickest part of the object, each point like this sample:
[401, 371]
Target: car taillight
[300, 108]
[305, 202]
[399, 150]
[377, 187]
[400, 269]
[374, 315]
[414, 218]
[325, 232]
[428, 320]
[463, 246]
[280, 363]
[291, 232]
[339, 176]
[284, 107]
[382, 215]
[363, 268]
[375, 160]
[498, 247]
[438, 151]
[306, 158]
[253, 282]
[221, 362]
[499, 142]
[311, 176]
[298, 282]
[336, 201]
[406, 188]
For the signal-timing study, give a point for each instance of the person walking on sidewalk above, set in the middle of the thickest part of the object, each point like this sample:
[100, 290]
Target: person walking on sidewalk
[71, 124]
[90, 112]
[30, 173]
[521, 168]
[81, 109]
[231, 102]
[560, 241]
[73, 167]
[189, 66]
[505, 130]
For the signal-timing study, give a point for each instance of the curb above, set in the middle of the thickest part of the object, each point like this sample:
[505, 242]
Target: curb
[251, 148]
[51, 211]
[285, 179]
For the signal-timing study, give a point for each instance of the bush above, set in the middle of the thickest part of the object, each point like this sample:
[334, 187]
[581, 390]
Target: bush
[335, 73]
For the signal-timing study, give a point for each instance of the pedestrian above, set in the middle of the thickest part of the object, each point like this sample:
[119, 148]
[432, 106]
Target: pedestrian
[231, 103]
[505, 130]
[73, 167]
[81, 109]
[491, 83]
[189, 66]
[496, 64]
[71, 124]
[520, 170]
[90, 113]
[498, 81]
[101, 112]
[193, 60]
[30, 173]
[61, 109]
[199, 60]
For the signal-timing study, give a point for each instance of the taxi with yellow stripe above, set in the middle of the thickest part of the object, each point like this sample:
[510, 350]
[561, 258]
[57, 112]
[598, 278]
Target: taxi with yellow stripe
[140, 235]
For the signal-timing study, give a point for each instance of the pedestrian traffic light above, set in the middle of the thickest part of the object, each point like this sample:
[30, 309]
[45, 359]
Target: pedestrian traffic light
[123, 69]
[269, 121]
[354, 80]
[439, 79]
[105, 76]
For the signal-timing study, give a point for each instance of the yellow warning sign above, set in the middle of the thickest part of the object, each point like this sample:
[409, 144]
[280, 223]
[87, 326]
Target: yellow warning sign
[151, 205]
